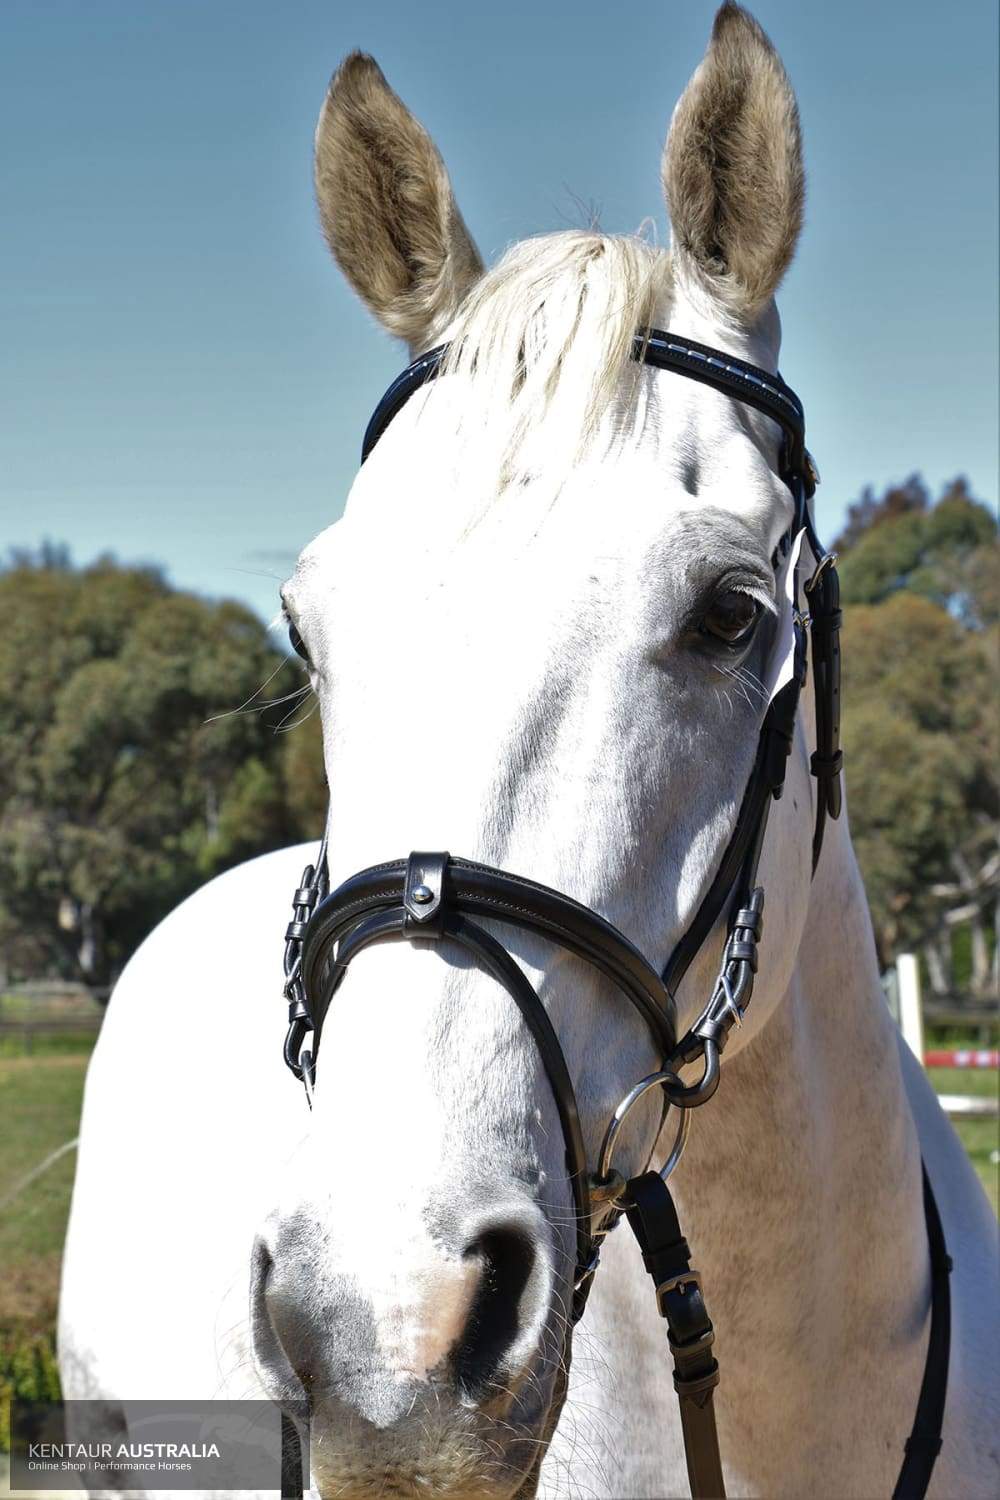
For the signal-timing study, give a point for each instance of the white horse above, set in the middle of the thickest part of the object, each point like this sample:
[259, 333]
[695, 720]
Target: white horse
[537, 637]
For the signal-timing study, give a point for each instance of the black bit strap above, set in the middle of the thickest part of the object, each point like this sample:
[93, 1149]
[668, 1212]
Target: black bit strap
[679, 1299]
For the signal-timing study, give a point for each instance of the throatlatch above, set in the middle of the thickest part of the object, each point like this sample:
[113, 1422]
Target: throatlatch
[431, 895]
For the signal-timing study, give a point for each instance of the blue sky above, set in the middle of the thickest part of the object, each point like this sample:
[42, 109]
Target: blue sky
[185, 377]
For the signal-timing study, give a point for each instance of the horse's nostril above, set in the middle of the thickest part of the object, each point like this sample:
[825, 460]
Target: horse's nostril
[285, 1379]
[507, 1304]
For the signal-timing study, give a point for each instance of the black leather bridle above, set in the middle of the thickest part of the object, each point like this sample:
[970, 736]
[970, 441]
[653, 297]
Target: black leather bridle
[431, 895]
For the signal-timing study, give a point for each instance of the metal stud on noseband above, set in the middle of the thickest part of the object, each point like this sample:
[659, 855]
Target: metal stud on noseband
[435, 897]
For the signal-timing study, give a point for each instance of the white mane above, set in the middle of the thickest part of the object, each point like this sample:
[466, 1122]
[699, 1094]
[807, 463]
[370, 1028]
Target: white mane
[544, 339]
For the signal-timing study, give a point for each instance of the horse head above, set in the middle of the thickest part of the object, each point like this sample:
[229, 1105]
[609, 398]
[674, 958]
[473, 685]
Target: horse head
[541, 636]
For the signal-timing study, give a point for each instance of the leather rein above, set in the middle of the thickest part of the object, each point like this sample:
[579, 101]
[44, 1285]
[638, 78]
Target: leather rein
[435, 896]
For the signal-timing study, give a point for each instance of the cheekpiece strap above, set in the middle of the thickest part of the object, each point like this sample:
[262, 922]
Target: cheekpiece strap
[826, 617]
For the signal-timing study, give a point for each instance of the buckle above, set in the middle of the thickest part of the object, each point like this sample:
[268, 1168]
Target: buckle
[674, 1284]
[828, 560]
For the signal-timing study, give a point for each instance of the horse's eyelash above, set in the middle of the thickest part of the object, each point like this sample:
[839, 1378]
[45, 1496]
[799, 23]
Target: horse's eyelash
[740, 584]
[754, 591]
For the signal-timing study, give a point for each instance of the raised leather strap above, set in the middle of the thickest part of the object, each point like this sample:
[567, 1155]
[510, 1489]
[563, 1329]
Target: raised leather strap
[924, 1442]
[409, 380]
[743, 382]
[479, 891]
[766, 781]
[665, 351]
[828, 758]
[679, 1299]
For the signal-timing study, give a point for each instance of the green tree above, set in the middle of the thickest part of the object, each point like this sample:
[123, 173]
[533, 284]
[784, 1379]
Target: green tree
[137, 757]
[304, 775]
[947, 553]
[869, 512]
[920, 716]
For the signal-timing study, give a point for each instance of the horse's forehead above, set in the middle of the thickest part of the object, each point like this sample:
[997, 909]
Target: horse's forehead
[596, 544]
[693, 479]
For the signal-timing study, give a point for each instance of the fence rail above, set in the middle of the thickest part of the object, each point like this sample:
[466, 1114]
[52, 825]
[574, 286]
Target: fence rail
[947, 1010]
[56, 989]
[29, 1028]
[962, 1057]
[907, 1005]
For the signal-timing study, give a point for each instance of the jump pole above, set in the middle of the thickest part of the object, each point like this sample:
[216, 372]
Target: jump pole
[911, 1017]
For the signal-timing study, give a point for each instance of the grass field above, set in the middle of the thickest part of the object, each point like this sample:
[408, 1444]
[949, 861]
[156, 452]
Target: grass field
[40, 1100]
[979, 1137]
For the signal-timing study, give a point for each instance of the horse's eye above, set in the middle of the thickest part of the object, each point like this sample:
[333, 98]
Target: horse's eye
[732, 617]
[298, 644]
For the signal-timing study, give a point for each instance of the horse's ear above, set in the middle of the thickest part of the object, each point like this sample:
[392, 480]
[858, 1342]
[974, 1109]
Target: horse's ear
[387, 208]
[732, 168]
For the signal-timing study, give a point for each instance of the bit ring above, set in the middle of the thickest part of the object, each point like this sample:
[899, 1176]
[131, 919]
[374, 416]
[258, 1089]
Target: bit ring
[618, 1119]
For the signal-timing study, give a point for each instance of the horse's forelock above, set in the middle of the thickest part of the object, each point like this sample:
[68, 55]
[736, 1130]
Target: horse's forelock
[543, 341]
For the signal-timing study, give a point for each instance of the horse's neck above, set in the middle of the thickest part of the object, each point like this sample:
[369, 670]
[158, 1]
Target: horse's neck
[800, 1196]
[810, 1127]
